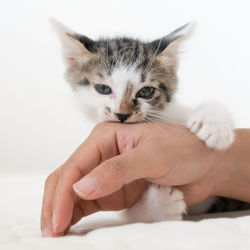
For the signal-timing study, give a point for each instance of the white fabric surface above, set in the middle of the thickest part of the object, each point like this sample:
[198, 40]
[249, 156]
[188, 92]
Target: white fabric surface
[20, 214]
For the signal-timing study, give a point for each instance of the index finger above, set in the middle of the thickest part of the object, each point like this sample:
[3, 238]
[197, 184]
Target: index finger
[88, 155]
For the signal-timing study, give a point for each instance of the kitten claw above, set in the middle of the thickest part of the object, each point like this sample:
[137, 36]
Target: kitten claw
[212, 124]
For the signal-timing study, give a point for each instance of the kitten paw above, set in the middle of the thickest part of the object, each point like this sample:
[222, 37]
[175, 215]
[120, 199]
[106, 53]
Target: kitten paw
[212, 124]
[158, 203]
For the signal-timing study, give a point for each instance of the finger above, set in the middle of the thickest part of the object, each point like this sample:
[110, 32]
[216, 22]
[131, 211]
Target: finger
[83, 160]
[112, 174]
[46, 215]
[64, 199]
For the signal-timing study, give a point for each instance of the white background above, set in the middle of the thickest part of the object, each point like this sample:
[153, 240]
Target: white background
[40, 125]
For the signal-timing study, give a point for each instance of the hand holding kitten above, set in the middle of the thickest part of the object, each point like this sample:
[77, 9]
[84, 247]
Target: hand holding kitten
[112, 168]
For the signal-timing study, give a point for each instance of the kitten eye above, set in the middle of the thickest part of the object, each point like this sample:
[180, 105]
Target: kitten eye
[103, 89]
[146, 92]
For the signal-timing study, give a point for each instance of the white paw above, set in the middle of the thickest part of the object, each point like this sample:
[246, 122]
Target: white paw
[158, 203]
[212, 124]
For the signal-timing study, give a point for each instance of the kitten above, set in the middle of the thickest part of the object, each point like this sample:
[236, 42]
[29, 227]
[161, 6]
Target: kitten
[127, 80]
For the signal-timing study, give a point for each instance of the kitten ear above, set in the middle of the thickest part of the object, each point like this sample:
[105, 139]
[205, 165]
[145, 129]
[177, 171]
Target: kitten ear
[74, 51]
[168, 46]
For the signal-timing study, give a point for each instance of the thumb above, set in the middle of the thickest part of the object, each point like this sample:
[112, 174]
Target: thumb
[113, 173]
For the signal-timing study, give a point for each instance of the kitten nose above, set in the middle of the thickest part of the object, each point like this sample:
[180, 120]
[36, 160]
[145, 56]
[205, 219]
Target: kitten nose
[122, 117]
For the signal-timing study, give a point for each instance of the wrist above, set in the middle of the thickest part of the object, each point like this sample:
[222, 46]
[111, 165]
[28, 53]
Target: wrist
[221, 177]
[231, 170]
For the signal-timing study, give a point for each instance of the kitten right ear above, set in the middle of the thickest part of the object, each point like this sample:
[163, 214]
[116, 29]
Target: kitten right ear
[74, 51]
[168, 47]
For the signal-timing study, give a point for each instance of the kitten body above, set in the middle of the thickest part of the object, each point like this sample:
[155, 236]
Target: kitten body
[127, 80]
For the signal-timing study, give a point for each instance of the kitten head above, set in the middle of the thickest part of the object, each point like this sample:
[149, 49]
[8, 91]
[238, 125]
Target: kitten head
[121, 79]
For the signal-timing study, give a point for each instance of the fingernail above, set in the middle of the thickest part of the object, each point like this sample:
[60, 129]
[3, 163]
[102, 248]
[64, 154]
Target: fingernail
[54, 222]
[45, 232]
[86, 186]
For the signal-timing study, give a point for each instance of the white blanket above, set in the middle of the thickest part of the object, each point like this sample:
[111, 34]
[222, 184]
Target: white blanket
[21, 197]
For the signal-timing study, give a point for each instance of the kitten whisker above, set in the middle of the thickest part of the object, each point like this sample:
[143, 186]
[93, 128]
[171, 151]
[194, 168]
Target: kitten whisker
[162, 116]
[157, 125]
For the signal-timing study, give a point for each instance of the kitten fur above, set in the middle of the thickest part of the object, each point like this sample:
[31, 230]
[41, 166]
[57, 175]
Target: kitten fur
[128, 80]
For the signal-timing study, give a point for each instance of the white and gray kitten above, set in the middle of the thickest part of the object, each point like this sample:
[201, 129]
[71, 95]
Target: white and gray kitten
[127, 80]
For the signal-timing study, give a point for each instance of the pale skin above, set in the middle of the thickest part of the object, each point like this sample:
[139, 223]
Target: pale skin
[115, 164]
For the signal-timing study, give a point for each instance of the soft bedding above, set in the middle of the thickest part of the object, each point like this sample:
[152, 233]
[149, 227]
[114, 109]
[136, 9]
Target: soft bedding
[20, 215]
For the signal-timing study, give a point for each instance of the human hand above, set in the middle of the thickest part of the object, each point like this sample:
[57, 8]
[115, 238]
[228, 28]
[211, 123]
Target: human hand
[111, 170]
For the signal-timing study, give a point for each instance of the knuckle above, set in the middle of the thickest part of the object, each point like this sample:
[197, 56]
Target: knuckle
[67, 167]
[68, 162]
[49, 179]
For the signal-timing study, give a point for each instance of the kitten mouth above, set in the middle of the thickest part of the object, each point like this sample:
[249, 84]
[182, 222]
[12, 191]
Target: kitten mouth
[116, 121]
[126, 122]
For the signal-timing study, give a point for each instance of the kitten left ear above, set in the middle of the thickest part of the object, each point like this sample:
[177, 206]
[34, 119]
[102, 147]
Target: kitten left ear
[168, 46]
[74, 51]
